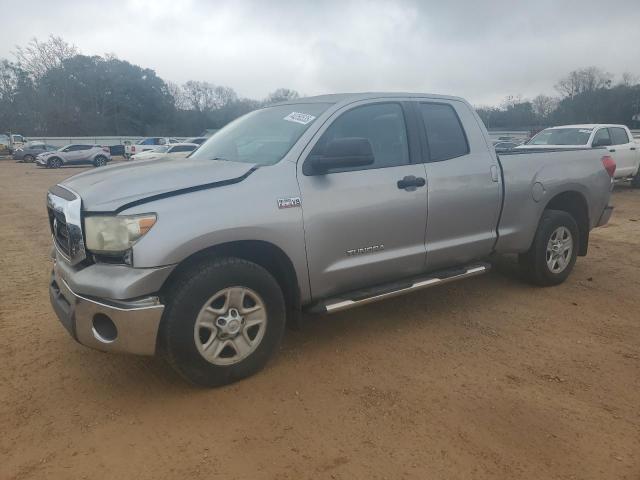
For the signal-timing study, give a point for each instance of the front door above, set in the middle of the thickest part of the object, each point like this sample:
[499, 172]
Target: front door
[361, 227]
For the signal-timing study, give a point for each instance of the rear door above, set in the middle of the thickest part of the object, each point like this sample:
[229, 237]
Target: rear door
[463, 184]
[361, 227]
[625, 151]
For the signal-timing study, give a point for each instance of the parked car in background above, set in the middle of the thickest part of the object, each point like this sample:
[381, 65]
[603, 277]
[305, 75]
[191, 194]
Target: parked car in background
[30, 150]
[75, 154]
[146, 144]
[175, 150]
[617, 139]
[329, 199]
[197, 140]
[504, 146]
[10, 142]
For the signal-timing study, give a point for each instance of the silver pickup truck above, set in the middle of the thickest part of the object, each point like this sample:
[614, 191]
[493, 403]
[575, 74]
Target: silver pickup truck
[319, 204]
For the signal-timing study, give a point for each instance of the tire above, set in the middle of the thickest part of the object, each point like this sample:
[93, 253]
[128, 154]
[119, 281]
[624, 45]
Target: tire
[187, 327]
[557, 237]
[54, 162]
[635, 181]
[28, 159]
[100, 161]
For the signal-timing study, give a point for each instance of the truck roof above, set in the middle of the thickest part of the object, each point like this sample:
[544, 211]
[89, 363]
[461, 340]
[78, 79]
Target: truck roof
[588, 125]
[345, 98]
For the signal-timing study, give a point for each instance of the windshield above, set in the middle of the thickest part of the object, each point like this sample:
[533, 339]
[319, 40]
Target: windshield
[62, 148]
[263, 136]
[562, 136]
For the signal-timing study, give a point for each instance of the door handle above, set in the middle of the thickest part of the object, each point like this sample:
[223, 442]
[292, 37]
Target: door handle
[632, 148]
[410, 181]
[612, 149]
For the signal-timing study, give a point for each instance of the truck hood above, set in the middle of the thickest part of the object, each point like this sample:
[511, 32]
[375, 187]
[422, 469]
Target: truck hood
[107, 189]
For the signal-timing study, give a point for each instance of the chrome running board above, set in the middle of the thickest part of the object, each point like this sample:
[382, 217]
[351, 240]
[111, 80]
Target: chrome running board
[382, 292]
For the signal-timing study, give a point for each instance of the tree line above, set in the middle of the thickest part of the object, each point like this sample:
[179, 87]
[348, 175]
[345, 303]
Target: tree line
[49, 88]
[586, 95]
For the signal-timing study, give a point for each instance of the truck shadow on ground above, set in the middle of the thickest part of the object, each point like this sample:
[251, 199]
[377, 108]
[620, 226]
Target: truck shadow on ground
[429, 308]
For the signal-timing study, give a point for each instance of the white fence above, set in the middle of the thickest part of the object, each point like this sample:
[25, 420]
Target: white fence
[110, 141]
[105, 141]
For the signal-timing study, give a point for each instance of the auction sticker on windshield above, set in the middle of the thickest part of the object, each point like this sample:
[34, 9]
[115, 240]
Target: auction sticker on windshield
[297, 117]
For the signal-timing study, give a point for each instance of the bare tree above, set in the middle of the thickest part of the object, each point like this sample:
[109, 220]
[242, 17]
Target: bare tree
[37, 57]
[587, 79]
[177, 93]
[544, 105]
[510, 101]
[225, 96]
[199, 96]
[629, 79]
[282, 95]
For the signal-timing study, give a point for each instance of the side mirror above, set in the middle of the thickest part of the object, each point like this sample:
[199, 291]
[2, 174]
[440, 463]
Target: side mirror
[601, 142]
[342, 153]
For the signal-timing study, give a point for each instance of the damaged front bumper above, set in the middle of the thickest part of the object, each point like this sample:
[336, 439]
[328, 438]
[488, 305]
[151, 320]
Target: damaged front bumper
[129, 326]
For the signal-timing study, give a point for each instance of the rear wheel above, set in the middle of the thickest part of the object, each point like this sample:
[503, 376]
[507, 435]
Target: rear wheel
[223, 321]
[635, 181]
[100, 161]
[54, 162]
[553, 253]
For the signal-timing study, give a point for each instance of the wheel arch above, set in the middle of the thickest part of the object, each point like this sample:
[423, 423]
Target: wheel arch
[575, 204]
[266, 254]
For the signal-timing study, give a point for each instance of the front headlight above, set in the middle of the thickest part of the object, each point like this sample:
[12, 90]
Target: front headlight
[116, 234]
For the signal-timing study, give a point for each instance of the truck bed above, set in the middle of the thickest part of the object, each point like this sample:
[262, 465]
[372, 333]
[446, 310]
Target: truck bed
[532, 178]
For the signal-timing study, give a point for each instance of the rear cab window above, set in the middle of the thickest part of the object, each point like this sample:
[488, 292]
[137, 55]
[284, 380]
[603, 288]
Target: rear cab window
[618, 136]
[446, 138]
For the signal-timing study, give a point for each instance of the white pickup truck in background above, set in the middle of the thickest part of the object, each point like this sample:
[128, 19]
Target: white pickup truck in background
[618, 140]
[148, 143]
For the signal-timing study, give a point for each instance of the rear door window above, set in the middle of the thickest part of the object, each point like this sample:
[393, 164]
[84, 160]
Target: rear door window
[618, 136]
[445, 136]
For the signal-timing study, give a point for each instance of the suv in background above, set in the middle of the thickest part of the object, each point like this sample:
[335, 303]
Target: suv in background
[75, 155]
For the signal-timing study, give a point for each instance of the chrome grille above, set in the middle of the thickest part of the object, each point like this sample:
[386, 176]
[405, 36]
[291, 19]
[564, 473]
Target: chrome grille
[59, 230]
[64, 211]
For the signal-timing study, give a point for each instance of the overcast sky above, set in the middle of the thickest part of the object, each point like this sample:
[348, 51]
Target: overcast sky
[479, 50]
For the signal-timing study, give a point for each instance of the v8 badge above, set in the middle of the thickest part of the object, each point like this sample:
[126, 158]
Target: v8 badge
[289, 202]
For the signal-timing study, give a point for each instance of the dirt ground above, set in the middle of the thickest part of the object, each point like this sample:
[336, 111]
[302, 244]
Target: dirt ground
[485, 378]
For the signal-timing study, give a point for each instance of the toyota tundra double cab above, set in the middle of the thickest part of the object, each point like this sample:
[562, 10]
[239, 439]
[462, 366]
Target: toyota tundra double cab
[319, 204]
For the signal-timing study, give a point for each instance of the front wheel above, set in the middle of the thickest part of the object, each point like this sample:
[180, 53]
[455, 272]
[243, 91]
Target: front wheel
[553, 253]
[100, 161]
[224, 319]
[54, 162]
